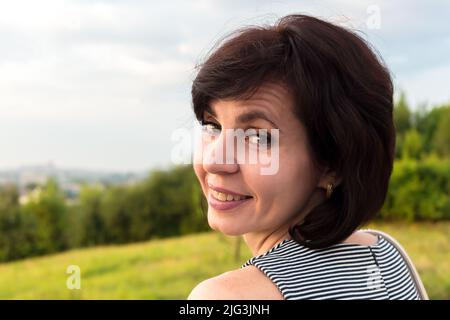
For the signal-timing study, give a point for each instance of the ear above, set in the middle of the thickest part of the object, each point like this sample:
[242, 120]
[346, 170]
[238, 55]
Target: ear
[327, 177]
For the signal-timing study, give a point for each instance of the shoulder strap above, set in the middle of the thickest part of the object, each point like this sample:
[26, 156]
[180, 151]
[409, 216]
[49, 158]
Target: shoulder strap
[415, 275]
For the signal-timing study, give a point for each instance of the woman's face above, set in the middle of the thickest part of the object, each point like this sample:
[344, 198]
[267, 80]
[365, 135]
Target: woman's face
[277, 200]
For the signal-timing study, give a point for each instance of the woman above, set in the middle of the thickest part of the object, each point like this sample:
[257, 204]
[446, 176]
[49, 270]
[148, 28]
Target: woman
[328, 99]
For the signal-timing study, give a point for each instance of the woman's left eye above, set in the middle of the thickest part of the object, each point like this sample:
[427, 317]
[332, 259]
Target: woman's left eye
[260, 138]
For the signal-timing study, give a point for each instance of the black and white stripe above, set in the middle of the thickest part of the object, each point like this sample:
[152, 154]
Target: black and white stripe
[341, 271]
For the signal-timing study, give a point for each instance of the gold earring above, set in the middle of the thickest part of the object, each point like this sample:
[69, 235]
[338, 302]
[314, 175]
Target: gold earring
[329, 190]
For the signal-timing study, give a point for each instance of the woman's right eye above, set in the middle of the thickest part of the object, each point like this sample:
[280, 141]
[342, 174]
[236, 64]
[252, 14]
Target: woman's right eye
[210, 127]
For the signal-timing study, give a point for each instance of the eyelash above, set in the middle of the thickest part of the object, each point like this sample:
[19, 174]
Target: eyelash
[204, 123]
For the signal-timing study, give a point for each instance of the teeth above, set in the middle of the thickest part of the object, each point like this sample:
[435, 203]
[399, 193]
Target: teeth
[226, 197]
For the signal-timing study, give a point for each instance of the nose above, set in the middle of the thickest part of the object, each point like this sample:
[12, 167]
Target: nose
[219, 155]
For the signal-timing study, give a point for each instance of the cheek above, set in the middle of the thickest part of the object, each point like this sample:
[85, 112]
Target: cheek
[298, 180]
[201, 174]
[287, 190]
[259, 185]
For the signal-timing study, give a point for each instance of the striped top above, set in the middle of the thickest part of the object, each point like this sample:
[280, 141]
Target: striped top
[340, 271]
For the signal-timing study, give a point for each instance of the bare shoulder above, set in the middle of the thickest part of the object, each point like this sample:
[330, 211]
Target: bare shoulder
[247, 283]
[362, 237]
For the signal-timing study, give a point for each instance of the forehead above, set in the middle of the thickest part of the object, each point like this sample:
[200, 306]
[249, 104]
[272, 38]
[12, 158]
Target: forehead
[273, 98]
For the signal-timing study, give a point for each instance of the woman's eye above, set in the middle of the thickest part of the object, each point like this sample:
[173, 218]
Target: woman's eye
[257, 137]
[210, 127]
[260, 138]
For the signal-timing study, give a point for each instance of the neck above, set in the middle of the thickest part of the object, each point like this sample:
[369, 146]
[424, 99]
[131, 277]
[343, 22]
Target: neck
[261, 243]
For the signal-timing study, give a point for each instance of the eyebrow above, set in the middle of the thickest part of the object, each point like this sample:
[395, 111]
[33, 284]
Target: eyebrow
[247, 117]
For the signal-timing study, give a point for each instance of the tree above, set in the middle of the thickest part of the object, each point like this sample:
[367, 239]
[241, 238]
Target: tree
[412, 144]
[427, 124]
[402, 115]
[17, 229]
[402, 121]
[176, 201]
[49, 210]
[92, 225]
[115, 215]
[441, 138]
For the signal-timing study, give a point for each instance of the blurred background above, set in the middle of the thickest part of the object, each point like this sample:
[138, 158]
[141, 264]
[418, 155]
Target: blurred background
[94, 205]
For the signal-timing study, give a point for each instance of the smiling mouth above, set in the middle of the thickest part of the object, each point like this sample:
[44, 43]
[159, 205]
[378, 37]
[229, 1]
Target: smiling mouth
[226, 197]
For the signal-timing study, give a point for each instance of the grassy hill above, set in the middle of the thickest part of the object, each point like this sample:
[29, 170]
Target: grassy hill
[170, 268]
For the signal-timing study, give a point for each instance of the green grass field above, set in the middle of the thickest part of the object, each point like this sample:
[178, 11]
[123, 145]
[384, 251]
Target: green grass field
[170, 268]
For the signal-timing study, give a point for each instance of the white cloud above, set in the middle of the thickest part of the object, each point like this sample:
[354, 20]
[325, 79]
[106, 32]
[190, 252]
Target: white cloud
[86, 83]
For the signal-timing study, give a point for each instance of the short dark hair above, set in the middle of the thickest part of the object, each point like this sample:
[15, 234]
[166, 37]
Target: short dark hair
[343, 95]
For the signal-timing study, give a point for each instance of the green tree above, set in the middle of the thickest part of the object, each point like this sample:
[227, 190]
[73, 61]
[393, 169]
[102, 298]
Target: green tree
[176, 199]
[139, 203]
[402, 121]
[91, 229]
[115, 215]
[412, 144]
[441, 138]
[17, 229]
[402, 115]
[427, 123]
[49, 209]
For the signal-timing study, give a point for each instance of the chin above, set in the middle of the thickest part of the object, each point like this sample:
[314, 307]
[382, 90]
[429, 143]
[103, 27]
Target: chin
[226, 226]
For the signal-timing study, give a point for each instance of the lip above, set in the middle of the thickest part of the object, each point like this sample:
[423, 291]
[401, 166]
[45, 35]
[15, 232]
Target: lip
[223, 190]
[225, 205]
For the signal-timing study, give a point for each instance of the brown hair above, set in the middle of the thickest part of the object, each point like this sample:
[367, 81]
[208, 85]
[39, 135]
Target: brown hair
[343, 97]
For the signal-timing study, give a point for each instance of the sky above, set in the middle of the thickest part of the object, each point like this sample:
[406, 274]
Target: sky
[102, 85]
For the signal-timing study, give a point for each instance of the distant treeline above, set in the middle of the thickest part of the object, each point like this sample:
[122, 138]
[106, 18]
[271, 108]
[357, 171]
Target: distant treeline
[169, 202]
